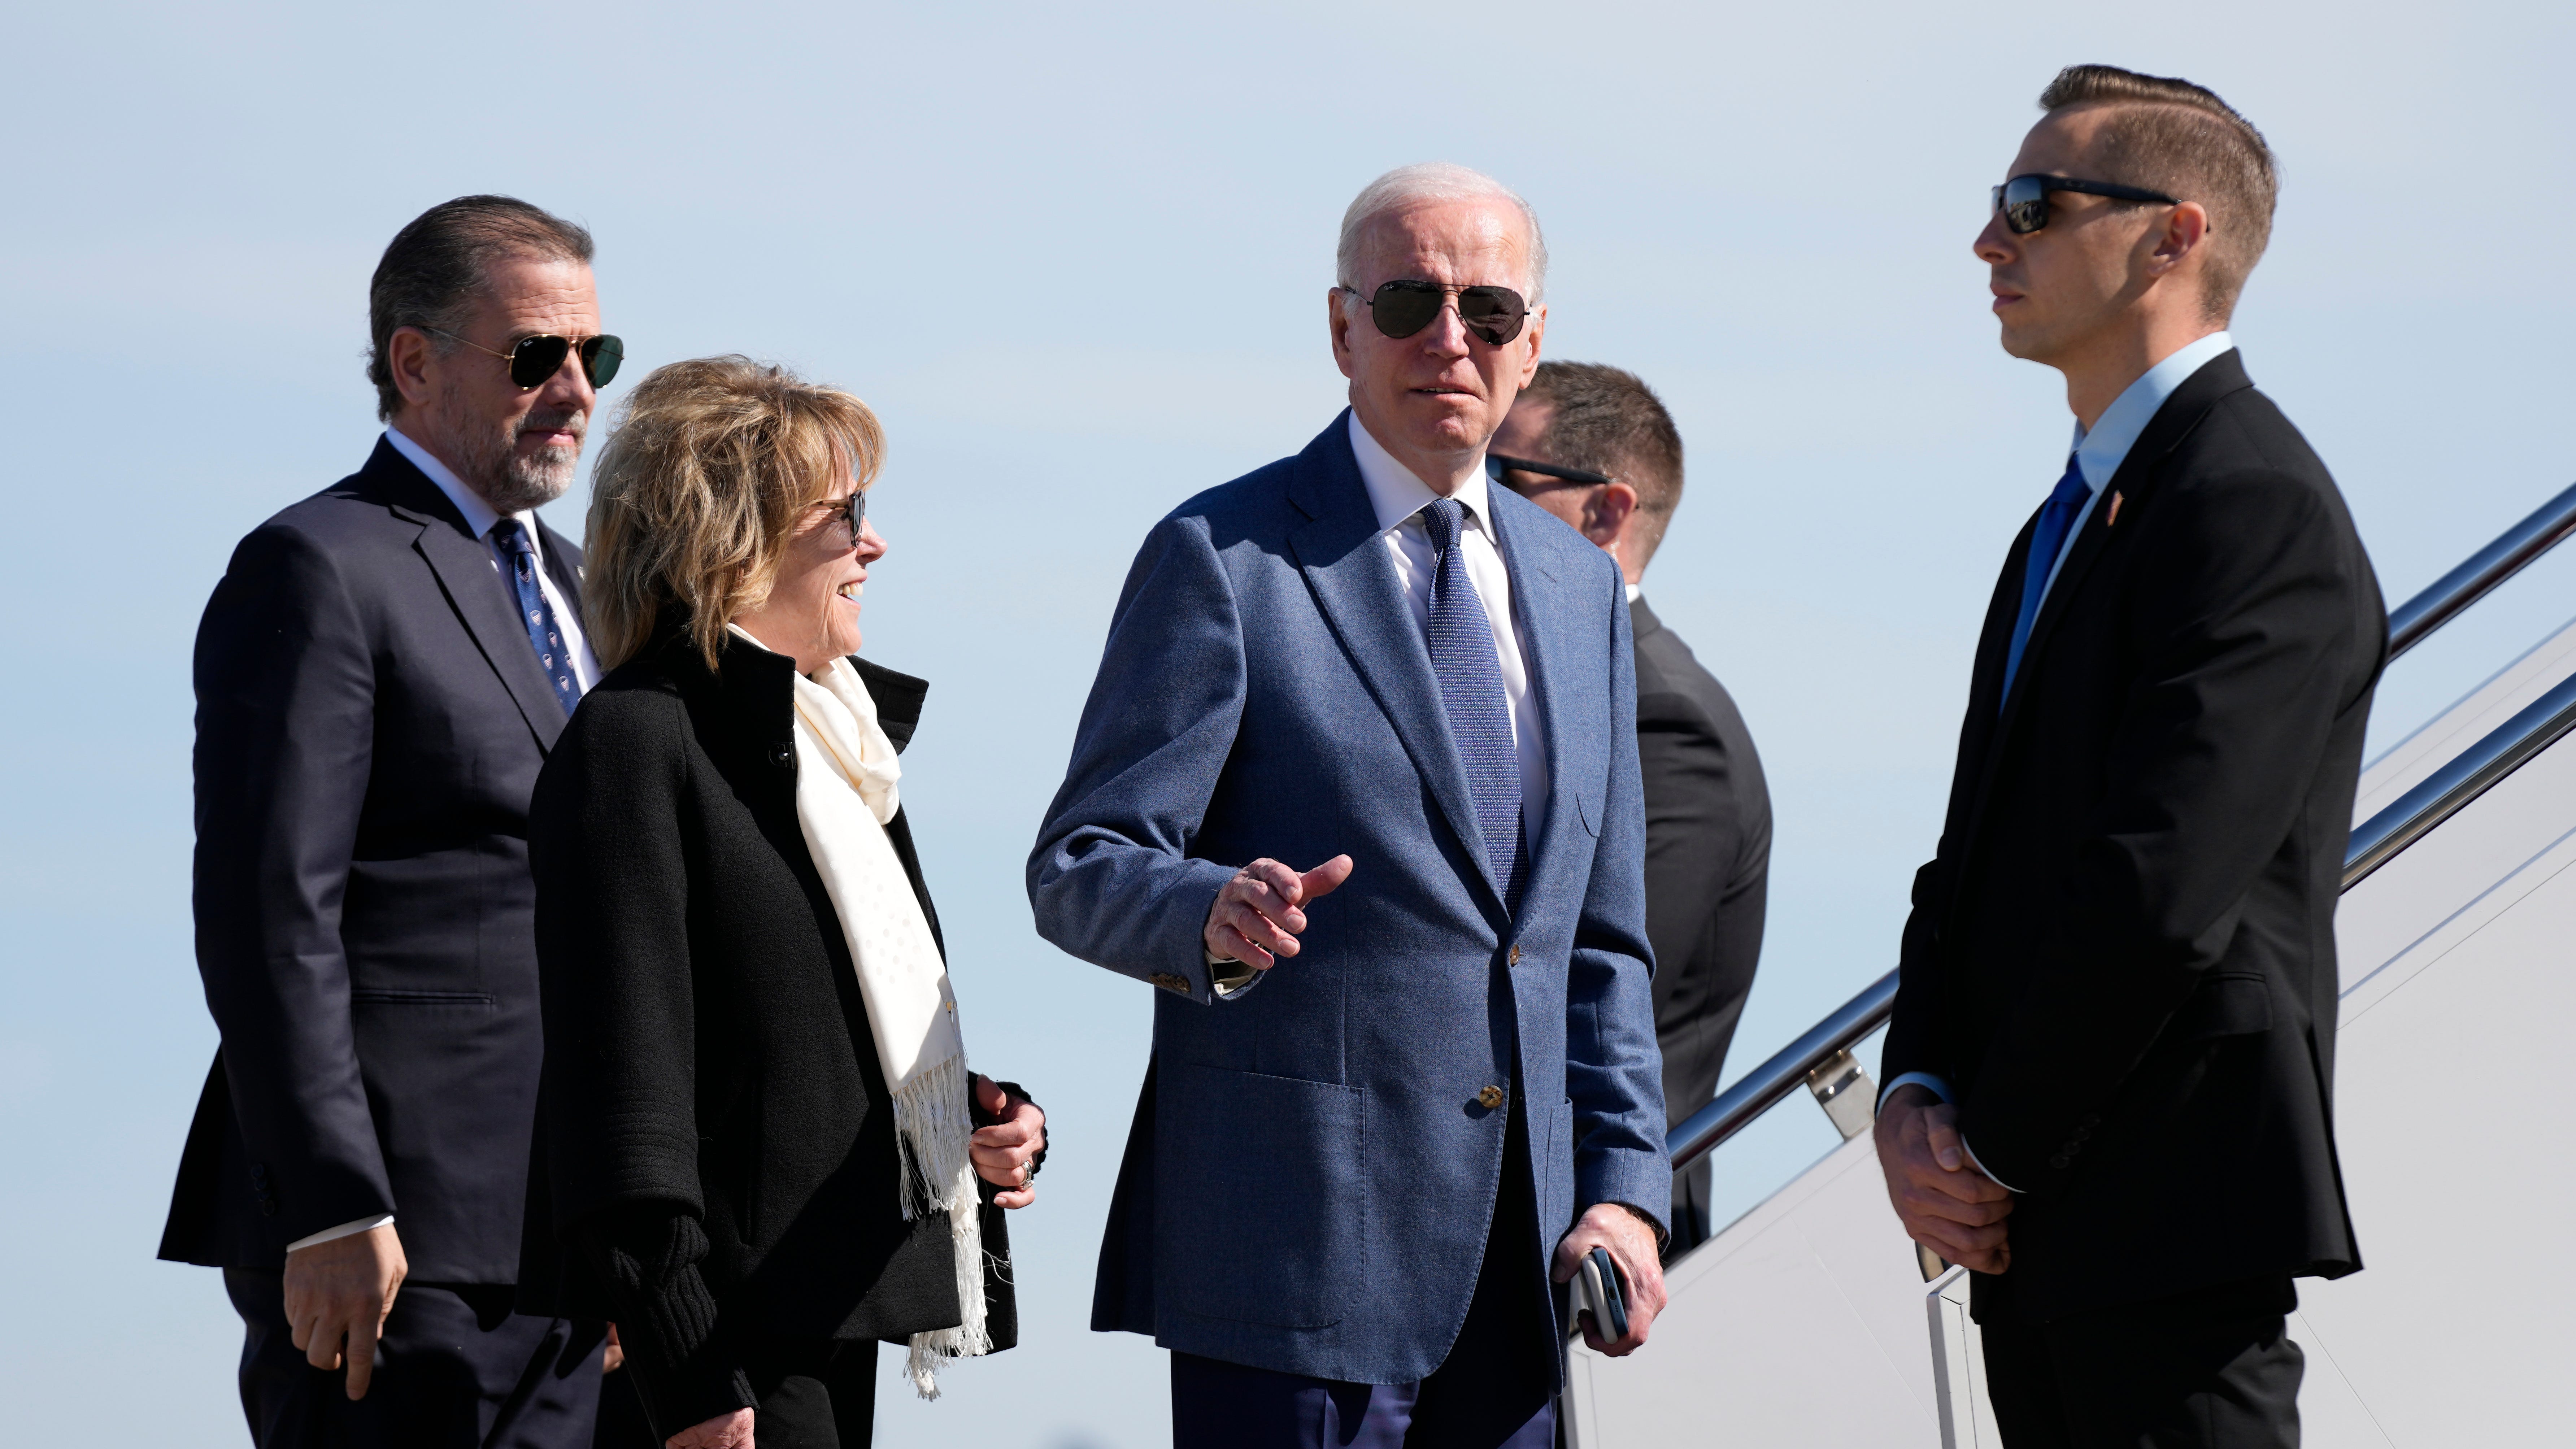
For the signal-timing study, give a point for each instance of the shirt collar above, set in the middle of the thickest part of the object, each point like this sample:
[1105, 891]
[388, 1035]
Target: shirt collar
[1397, 494]
[479, 515]
[2100, 452]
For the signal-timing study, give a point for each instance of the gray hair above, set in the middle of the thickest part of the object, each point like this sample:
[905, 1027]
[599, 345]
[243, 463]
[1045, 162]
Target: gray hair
[1432, 181]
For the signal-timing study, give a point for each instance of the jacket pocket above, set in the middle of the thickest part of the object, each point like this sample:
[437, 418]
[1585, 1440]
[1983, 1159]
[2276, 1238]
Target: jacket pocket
[381, 997]
[1263, 1198]
[2234, 1004]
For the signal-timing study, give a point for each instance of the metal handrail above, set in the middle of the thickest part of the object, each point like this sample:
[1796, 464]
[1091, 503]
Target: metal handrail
[2411, 622]
[2440, 796]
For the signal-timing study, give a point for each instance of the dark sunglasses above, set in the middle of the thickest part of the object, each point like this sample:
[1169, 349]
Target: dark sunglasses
[1496, 465]
[853, 511]
[2024, 199]
[534, 359]
[1493, 314]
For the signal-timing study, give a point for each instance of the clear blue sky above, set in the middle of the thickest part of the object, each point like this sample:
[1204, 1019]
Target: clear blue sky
[1076, 257]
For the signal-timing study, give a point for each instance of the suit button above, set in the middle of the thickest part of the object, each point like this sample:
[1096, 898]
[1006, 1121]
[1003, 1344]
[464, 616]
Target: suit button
[1490, 1098]
[1171, 982]
[783, 755]
[1516, 953]
[259, 1174]
[2059, 1161]
[268, 1207]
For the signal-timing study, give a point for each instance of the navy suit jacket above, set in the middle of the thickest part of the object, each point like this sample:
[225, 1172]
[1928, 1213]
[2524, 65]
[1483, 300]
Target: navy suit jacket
[370, 722]
[1312, 1173]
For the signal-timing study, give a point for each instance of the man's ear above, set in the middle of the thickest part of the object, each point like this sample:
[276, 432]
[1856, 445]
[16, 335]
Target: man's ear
[2185, 230]
[1339, 315]
[408, 353]
[1607, 512]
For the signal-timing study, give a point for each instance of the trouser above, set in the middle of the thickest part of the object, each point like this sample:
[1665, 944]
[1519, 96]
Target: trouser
[2213, 1369]
[1495, 1390]
[456, 1369]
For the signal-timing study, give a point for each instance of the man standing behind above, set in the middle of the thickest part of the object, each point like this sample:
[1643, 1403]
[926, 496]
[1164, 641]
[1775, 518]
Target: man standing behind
[379, 675]
[2112, 1059]
[1359, 697]
[1594, 446]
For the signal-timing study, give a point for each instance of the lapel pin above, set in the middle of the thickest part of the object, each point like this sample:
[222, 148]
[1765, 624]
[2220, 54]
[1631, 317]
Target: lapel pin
[2113, 521]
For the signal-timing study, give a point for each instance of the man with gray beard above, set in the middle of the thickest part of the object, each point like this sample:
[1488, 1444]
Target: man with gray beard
[379, 676]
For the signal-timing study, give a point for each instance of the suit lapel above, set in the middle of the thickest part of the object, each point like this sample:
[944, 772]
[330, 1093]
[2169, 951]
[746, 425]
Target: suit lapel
[463, 567]
[2135, 481]
[1538, 620]
[1346, 566]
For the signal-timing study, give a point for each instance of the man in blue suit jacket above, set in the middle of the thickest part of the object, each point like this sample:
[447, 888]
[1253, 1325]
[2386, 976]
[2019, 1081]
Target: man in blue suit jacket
[1386, 1088]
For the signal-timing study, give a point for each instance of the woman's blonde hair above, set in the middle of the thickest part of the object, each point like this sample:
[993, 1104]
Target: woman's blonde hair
[708, 469]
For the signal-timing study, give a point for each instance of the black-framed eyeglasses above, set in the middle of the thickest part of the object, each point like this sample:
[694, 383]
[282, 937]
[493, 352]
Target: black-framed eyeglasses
[853, 511]
[1492, 314]
[1496, 465]
[2024, 199]
[534, 359]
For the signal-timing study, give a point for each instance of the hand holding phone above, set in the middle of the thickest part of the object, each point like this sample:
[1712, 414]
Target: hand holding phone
[1601, 1292]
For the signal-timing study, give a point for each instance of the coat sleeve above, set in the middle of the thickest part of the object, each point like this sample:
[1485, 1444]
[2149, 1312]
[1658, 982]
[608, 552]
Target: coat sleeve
[2245, 628]
[285, 683]
[1613, 1070]
[1112, 879]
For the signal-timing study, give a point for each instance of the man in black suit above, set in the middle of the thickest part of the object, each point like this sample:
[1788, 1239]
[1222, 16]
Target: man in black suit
[2111, 1064]
[379, 675]
[1594, 446]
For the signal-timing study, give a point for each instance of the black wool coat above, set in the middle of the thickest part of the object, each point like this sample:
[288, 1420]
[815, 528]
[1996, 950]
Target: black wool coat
[715, 1163]
[2123, 956]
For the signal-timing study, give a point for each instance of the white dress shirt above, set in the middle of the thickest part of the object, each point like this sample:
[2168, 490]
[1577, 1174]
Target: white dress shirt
[1399, 498]
[480, 517]
[2099, 453]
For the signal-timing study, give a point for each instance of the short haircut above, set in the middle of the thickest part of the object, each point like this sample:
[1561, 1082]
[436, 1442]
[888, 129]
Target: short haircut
[1431, 181]
[434, 268]
[2178, 138]
[706, 473]
[1609, 421]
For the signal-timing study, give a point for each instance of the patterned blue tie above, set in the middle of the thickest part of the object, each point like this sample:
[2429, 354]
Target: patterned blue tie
[1471, 686]
[521, 554]
[2055, 517]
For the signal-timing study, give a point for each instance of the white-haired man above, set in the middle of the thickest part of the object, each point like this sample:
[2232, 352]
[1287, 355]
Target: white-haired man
[1357, 788]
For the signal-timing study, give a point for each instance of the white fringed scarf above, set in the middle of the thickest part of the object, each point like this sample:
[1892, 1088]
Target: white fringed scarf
[845, 793]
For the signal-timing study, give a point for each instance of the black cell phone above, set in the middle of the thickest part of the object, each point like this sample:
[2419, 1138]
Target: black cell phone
[1599, 1290]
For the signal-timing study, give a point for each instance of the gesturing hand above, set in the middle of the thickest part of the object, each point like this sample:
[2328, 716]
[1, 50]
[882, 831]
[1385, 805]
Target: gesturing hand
[1005, 1153]
[1632, 1246]
[337, 1296]
[1946, 1204]
[1257, 917]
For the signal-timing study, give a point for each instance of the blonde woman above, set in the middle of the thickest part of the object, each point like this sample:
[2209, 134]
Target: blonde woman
[759, 1150]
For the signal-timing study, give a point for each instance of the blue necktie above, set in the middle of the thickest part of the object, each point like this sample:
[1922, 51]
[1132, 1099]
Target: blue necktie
[521, 554]
[1471, 687]
[2056, 516]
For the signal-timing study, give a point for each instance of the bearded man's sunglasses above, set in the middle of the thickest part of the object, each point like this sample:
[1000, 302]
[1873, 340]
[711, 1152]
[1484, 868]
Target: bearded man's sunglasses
[1493, 314]
[2024, 199]
[534, 359]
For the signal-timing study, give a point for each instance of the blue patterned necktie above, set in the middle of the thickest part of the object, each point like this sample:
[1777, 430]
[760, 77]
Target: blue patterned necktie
[521, 553]
[1471, 687]
[2056, 516]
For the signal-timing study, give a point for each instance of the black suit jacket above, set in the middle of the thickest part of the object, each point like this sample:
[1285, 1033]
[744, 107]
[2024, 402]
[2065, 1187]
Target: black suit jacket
[370, 721]
[2123, 955]
[715, 1157]
[1708, 858]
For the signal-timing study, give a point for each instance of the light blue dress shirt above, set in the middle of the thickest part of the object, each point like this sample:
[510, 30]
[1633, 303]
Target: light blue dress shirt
[2100, 452]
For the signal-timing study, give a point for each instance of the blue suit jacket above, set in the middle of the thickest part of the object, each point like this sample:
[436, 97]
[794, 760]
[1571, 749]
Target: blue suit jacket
[1311, 1175]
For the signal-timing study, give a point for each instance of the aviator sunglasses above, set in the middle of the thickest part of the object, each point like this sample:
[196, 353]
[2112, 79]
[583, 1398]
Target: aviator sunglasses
[534, 359]
[1493, 314]
[852, 510]
[2024, 199]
